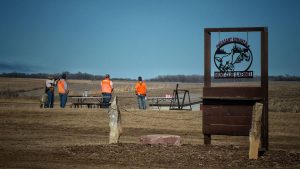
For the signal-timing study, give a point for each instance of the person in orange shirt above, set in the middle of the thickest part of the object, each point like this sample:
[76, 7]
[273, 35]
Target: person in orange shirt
[141, 92]
[63, 90]
[106, 89]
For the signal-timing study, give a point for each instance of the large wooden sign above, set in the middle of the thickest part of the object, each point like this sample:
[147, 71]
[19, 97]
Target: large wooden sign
[228, 110]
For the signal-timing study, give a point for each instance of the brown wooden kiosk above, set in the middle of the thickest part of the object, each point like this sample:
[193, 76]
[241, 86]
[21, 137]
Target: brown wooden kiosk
[228, 110]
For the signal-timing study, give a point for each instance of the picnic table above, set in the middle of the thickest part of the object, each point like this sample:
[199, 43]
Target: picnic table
[89, 101]
[160, 101]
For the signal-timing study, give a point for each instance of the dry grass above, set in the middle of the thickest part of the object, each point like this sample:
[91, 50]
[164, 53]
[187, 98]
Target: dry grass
[16, 87]
[20, 84]
[283, 96]
[42, 128]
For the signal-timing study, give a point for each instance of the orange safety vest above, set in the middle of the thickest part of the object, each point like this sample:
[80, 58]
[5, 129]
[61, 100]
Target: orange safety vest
[141, 88]
[61, 87]
[106, 87]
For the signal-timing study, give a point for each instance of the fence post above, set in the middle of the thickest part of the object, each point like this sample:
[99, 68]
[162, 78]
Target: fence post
[255, 132]
[114, 122]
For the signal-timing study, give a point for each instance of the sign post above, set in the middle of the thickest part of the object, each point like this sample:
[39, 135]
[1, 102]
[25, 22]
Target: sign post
[228, 110]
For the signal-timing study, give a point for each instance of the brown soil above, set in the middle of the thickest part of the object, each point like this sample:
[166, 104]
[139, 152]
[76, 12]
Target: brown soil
[145, 156]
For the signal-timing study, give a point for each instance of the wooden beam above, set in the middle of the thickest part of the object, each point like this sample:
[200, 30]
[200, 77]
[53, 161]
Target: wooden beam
[207, 53]
[264, 85]
[240, 29]
[233, 92]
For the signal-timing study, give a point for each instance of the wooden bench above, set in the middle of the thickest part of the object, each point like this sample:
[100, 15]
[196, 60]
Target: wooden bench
[88, 104]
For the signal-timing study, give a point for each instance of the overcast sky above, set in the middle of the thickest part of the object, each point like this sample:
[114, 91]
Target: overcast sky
[130, 38]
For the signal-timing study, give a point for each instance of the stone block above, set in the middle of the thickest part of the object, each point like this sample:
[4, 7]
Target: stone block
[163, 139]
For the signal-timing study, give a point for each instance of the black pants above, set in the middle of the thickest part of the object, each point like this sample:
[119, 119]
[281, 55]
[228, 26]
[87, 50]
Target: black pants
[106, 99]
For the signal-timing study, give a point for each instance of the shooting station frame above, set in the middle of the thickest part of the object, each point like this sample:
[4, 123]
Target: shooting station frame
[228, 110]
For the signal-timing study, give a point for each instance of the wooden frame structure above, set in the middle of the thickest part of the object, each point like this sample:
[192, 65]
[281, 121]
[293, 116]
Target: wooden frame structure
[228, 110]
[175, 102]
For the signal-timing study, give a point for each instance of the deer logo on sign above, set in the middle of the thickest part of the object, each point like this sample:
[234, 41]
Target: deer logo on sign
[233, 58]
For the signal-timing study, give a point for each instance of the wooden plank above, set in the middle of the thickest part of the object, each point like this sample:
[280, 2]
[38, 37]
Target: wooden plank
[221, 119]
[227, 110]
[228, 120]
[238, 92]
[240, 29]
[207, 56]
[264, 84]
[222, 129]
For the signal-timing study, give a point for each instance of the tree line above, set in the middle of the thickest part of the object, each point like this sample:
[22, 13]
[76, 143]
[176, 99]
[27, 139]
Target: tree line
[75, 76]
[160, 78]
[79, 75]
[179, 78]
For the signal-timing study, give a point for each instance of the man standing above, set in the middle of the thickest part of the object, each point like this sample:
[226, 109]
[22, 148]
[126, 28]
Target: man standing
[106, 89]
[50, 83]
[63, 90]
[140, 91]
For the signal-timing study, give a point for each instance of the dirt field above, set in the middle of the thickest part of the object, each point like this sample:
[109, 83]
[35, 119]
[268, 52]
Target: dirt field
[77, 138]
